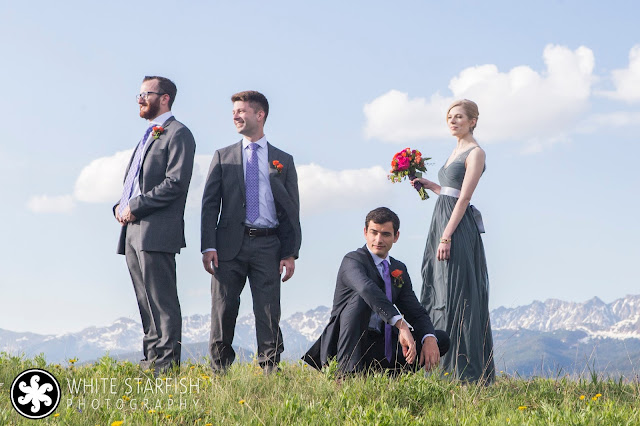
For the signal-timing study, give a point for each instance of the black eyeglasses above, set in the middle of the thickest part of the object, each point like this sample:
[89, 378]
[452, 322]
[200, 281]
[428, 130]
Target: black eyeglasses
[145, 95]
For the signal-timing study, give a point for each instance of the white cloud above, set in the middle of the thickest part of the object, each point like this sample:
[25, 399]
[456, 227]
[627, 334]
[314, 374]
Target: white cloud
[51, 204]
[627, 80]
[198, 179]
[101, 180]
[320, 189]
[323, 189]
[518, 105]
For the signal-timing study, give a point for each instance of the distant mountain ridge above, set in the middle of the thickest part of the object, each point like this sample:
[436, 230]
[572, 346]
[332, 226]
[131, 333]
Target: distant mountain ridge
[552, 332]
[619, 319]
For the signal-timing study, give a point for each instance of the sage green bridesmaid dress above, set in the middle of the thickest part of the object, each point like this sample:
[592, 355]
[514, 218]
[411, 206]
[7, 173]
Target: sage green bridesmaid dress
[456, 292]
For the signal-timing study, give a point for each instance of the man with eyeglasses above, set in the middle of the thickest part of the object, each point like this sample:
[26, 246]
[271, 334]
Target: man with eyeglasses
[151, 212]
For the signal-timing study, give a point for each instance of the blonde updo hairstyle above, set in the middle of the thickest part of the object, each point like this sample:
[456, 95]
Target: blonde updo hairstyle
[470, 109]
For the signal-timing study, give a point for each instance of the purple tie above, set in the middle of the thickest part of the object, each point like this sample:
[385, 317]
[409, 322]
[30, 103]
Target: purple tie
[251, 184]
[133, 171]
[387, 328]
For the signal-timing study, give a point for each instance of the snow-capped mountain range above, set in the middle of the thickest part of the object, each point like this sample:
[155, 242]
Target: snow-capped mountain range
[619, 319]
[596, 319]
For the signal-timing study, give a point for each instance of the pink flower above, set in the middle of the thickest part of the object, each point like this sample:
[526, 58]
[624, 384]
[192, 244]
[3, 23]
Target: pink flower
[404, 163]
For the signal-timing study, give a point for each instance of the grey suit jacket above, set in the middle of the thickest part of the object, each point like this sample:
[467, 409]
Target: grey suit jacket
[358, 275]
[165, 174]
[224, 203]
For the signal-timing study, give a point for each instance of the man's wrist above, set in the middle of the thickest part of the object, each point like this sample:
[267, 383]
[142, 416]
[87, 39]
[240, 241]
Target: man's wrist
[428, 335]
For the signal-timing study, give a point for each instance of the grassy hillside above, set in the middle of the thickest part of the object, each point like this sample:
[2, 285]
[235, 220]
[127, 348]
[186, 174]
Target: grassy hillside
[109, 392]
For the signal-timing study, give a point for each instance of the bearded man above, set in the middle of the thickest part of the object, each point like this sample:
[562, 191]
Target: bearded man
[151, 212]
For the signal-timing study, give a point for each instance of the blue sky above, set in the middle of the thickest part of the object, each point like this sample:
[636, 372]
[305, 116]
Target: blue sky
[349, 83]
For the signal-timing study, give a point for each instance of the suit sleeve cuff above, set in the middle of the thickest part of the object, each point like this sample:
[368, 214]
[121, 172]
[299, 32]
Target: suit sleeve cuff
[395, 319]
[428, 335]
[209, 249]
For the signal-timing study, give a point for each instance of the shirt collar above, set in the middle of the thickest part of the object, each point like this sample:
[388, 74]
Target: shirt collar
[262, 142]
[378, 260]
[159, 120]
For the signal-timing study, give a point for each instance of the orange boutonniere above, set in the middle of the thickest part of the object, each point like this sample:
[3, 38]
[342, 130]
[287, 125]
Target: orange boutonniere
[278, 166]
[397, 278]
[157, 131]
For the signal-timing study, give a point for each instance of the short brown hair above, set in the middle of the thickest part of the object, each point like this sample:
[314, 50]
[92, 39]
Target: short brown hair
[383, 215]
[470, 109]
[167, 87]
[257, 100]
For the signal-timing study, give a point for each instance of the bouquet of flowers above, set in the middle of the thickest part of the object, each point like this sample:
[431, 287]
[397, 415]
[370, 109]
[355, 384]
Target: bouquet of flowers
[409, 163]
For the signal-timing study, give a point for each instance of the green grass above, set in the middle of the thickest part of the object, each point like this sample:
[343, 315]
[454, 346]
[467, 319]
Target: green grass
[301, 395]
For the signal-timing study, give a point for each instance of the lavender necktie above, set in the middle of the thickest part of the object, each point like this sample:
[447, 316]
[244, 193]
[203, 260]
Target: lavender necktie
[387, 327]
[251, 184]
[133, 172]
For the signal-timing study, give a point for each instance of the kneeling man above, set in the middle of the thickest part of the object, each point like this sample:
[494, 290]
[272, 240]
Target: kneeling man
[373, 292]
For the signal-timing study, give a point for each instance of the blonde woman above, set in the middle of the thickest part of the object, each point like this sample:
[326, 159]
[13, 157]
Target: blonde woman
[455, 288]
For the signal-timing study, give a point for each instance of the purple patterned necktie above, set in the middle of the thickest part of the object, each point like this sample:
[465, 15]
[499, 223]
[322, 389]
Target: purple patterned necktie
[133, 172]
[251, 184]
[387, 327]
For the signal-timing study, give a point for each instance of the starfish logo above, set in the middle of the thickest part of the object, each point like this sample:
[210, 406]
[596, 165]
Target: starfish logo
[35, 393]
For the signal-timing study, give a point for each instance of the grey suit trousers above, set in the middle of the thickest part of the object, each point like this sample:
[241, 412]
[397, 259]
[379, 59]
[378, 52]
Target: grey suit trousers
[154, 280]
[259, 261]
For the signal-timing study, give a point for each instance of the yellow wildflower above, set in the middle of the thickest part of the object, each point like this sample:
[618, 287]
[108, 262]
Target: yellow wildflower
[242, 401]
[582, 397]
[73, 360]
[522, 407]
[56, 414]
[192, 367]
[117, 423]
[446, 374]
[598, 395]
[205, 377]
[168, 416]
[125, 398]
[151, 411]
[170, 396]
[594, 399]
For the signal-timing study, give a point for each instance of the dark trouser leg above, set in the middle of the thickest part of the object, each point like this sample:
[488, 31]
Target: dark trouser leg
[159, 272]
[150, 336]
[226, 286]
[264, 279]
[352, 348]
[154, 281]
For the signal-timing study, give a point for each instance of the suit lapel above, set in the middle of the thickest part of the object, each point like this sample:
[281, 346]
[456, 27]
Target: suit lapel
[273, 172]
[392, 267]
[237, 161]
[373, 269]
[147, 147]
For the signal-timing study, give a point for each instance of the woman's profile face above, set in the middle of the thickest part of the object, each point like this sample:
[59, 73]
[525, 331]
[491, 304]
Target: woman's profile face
[458, 122]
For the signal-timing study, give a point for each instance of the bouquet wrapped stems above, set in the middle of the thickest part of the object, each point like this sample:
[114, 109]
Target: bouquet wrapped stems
[418, 186]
